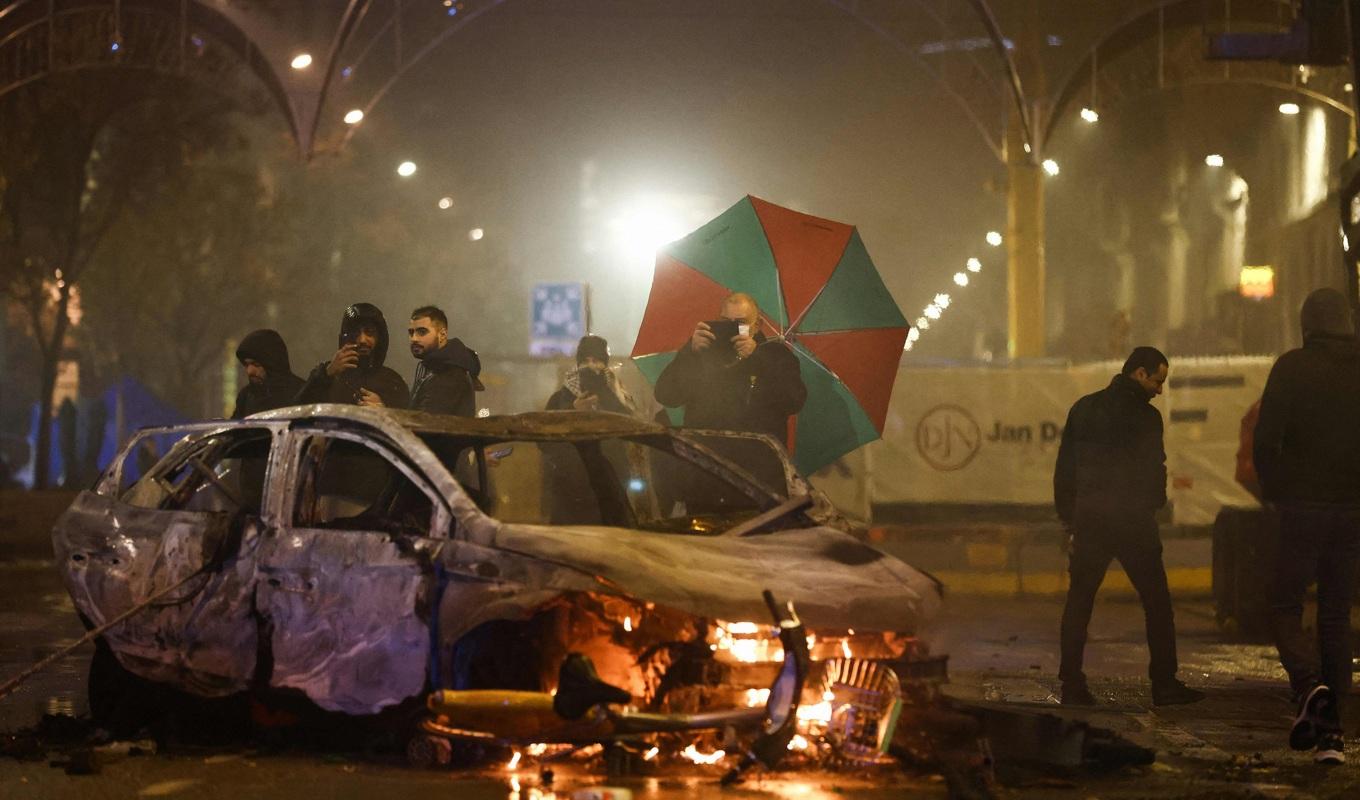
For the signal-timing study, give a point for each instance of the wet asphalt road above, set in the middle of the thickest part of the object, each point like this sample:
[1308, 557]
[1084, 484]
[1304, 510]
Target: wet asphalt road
[1003, 650]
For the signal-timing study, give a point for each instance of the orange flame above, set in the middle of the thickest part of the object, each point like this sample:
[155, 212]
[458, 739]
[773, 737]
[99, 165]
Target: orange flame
[693, 754]
[514, 761]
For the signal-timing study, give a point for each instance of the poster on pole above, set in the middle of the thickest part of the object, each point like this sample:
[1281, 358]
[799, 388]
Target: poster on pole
[559, 316]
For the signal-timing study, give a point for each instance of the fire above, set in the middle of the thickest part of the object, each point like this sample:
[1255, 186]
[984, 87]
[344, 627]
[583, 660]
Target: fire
[693, 754]
[650, 754]
[628, 624]
[845, 648]
[537, 749]
[746, 642]
[514, 760]
[757, 697]
[818, 712]
[514, 784]
[798, 743]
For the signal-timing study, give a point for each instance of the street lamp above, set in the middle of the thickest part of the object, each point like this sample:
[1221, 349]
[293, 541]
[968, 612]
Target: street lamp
[994, 238]
[1090, 115]
[445, 203]
[406, 169]
[476, 234]
[961, 278]
[974, 265]
[354, 116]
[302, 61]
[1289, 108]
[1050, 166]
[1214, 160]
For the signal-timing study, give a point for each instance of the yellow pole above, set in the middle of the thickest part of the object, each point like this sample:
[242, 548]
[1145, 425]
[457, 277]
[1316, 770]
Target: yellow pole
[1027, 336]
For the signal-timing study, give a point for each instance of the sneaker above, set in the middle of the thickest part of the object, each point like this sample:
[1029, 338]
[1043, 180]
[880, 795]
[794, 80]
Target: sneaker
[1174, 693]
[1314, 711]
[1331, 749]
[1077, 693]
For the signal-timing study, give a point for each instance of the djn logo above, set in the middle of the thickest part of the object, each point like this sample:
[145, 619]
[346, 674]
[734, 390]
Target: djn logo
[948, 437]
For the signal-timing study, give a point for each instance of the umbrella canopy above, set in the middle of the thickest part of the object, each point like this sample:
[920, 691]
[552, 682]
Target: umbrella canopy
[816, 287]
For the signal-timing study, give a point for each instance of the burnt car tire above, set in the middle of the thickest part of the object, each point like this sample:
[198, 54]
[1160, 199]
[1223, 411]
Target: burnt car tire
[125, 705]
[120, 702]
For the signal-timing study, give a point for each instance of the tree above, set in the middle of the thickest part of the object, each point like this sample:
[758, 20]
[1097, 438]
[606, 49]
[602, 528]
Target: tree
[79, 152]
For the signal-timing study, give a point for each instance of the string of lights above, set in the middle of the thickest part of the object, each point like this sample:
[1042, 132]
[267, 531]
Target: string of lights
[936, 308]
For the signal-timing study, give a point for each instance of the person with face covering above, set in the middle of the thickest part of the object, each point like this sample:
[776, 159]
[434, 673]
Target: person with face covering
[356, 374]
[271, 382]
[592, 386]
[1109, 483]
[1306, 450]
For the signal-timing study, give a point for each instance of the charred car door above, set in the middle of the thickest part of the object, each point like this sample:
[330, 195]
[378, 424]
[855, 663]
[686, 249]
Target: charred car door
[150, 522]
[345, 578]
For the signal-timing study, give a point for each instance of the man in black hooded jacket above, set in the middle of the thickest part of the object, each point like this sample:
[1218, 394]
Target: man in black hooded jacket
[447, 375]
[1306, 450]
[356, 373]
[272, 383]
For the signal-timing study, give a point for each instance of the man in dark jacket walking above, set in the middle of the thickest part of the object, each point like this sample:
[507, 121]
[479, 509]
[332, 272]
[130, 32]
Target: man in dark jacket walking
[1109, 483]
[355, 374]
[271, 382]
[447, 375]
[744, 383]
[1307, 456]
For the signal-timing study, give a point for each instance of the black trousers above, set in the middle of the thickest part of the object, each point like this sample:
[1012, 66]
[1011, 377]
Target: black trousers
[1097, 539]
[1319, 543]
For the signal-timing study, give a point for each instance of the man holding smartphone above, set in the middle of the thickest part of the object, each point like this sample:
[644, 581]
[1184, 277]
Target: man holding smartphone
[730, 377]
[355, 374]
[592, 386]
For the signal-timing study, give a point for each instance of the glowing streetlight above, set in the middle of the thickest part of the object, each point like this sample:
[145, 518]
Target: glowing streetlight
[1050, 166]
[942, 300]
[354, 116]
[974, 265]
[994, 238]
[1214, 160]
[476, 234]
[302, 61]
[1090, 115]
[445, 203]
[932, 311]
[1349, 87]
[406, 169]
[1289, 108]
[961, 278]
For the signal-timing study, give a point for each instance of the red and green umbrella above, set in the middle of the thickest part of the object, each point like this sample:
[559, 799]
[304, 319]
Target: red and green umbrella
[816, 287]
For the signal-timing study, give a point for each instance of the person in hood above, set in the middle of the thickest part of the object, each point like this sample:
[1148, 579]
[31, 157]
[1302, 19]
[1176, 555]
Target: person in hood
[270, 380]
[1108, 485]
[1306, 450]
[742, 383]
[592, 386]
[447, 377]
[356, 374]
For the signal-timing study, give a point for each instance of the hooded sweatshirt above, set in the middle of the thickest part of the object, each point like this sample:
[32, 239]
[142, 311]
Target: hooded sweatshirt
[447, 381]
[280, 385]
[373, 376]
[1307, 442]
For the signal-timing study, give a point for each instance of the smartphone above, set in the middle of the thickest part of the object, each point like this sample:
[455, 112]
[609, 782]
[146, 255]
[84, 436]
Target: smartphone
[723, 331]
[593, 382]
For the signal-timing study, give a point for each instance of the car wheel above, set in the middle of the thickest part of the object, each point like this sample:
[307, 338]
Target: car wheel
[120, 702]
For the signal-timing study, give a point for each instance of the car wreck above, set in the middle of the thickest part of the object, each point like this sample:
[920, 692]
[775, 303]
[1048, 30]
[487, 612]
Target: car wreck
[367, 558]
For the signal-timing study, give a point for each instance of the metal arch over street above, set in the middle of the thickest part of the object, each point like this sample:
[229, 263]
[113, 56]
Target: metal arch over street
[1176, 27]
[41, 37]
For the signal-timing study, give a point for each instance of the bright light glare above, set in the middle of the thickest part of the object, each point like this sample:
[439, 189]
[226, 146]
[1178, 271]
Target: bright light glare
[961, 278]
[445, 203]
[914, 334]
[1289, 108]
[1090, 115]
[1214, 160]
[994, 238]
[406, 169]
[942, 300]
[922, 323]
[642, 230]
[476, 234]
[1050, 166]
[302, 61]
[354, 116]
[974, 265]
[933, 311]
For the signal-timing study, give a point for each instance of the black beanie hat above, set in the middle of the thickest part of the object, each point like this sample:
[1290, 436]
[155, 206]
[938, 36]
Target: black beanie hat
[592, 346]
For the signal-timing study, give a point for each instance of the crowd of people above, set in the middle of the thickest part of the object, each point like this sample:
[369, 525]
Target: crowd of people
[726, 376]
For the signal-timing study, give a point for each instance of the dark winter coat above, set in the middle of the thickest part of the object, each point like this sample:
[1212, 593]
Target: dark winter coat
[616, 400]
[344, 388]
[756, 394]
[1111, 460]
[446, 381]
[280, 386]
[1307, 442]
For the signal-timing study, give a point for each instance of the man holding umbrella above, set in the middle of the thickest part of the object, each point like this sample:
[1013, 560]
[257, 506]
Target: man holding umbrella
[730, 377]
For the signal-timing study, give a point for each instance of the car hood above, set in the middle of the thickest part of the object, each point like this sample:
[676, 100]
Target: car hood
[835, 581]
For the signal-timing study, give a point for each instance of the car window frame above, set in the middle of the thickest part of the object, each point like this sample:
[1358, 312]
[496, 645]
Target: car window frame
[295, 449]
[194, 439]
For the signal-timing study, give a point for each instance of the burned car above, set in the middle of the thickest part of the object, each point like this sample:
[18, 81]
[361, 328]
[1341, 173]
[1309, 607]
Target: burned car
[367, 557]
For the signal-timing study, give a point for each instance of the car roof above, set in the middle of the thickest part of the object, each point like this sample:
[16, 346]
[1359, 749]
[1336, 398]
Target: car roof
[529, 425]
